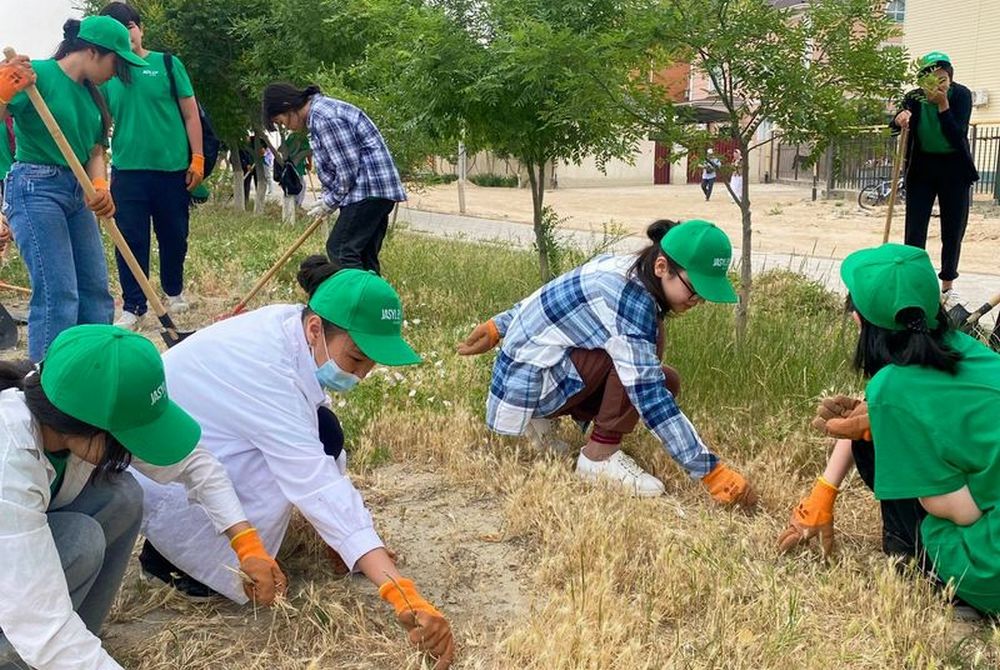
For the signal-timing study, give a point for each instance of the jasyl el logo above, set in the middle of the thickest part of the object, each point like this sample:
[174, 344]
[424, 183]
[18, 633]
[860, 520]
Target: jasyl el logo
[390, 314]
[721, 263]
[157, 394]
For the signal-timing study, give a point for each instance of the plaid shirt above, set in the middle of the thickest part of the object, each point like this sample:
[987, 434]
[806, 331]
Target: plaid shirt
[350, 155]
[595, 306]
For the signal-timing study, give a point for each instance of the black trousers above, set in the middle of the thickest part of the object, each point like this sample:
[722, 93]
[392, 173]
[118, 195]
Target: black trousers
[900, 518]
[356, 238]
[938, 176]
[141, 197]
[706, 187]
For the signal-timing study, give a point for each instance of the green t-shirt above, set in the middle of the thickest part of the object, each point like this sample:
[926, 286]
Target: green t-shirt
[78, 116]
[149, 131]
[58, 462]
[933, 434]
[6, 155]
[932, 139]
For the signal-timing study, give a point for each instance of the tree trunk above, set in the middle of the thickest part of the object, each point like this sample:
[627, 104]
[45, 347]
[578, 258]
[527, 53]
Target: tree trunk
[537, 182]
[234, 160]
[288, 210]
[746, 266]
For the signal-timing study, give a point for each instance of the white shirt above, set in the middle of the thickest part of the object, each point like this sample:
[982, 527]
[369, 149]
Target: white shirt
[36, 613]
[250, 381]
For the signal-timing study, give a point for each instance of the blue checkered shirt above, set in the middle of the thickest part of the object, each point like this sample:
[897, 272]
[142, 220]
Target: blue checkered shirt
[596, 306]
[350, 155]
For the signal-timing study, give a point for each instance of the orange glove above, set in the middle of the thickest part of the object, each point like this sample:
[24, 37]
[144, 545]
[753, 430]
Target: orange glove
[841, 416]
[483, 337]
[429, 631]
[812, 517]
[729, 487]
[266, 580]
[15, 76]
[196, 171]
[101, 204]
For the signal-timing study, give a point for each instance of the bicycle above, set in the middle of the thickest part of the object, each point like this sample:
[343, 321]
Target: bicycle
[876, 194]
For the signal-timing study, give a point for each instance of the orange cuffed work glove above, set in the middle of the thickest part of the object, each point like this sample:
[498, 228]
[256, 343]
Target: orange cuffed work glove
[483, 337]
[844, 417]
[812, 517]
[729, 487]
[428, 630]
[101, 204]
[266, 580]
[15, 76]
[195, 171]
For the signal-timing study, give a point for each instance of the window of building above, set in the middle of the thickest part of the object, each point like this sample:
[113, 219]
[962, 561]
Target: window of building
[896, 10]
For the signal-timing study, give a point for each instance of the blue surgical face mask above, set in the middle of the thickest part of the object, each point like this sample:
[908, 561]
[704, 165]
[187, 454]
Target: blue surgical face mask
[331, 377]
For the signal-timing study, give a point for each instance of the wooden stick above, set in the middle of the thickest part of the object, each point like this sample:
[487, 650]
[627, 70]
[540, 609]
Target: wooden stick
[278, 264]
[88, 188]
[16, 289]
[897, 166]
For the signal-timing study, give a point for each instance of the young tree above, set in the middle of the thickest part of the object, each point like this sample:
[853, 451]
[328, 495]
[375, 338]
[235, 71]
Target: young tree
[813, 72]
[528, 80]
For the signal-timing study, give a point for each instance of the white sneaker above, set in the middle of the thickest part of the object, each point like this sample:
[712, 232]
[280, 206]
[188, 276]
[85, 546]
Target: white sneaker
[622, 469]
[541, 433]
[128, 320]
[177, 303]
[950, 298]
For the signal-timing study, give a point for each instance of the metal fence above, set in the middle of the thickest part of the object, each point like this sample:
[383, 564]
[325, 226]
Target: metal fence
[865, 157]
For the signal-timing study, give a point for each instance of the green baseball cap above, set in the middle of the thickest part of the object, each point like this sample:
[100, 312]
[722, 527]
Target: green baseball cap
[933, 58]
[887, 279]
[113, 379]
[704, 251]
[369, 309]
[107, 32]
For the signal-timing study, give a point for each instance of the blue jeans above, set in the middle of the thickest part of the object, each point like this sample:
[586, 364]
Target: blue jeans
[94, 536]
[61, 245]
[141, 196]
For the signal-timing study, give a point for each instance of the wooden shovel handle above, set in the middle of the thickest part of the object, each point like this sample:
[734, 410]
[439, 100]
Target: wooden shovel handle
[278, 264]
[897, 166]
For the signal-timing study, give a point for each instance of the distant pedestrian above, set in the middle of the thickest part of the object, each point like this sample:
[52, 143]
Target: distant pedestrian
[736, 180]
[708, 173]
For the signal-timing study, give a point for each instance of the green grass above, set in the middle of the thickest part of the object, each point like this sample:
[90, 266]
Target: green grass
[762, 392]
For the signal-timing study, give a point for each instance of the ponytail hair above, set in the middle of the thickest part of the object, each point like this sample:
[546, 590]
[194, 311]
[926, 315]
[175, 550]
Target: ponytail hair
[644, 268]
[26, 377]
[280, 97]
[914, 344]
[313, 271]
[72, 43]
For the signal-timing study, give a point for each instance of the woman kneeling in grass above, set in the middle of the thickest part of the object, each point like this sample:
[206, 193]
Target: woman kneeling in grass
[69, 513]
[257, 384]
[932, 401]
[589, 345]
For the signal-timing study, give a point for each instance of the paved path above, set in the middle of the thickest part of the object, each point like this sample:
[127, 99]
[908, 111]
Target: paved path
[975, 289]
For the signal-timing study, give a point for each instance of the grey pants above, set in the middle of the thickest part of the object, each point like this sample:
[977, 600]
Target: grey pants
[94, 535]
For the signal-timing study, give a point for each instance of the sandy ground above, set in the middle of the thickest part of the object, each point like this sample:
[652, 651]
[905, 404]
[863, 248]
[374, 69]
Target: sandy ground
[449, 538]
[785, 219]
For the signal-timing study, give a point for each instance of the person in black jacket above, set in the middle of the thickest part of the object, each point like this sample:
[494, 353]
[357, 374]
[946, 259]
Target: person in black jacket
[939, 162]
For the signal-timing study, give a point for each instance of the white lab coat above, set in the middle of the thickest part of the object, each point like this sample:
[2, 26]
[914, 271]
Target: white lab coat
[250, 381]
[36, 613]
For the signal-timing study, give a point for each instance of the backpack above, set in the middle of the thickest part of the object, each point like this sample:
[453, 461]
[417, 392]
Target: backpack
[287, 177]
[209, 140]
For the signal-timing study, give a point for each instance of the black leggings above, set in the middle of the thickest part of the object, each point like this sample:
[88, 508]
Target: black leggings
[900, 518]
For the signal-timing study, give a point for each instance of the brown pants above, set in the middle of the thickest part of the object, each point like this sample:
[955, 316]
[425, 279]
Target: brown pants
[603, 399]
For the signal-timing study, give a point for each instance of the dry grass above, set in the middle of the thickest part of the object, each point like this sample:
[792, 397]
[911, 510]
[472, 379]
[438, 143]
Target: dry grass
[537, 569]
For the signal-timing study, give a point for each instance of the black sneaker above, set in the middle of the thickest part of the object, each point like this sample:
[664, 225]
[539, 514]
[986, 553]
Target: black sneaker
[154, 565]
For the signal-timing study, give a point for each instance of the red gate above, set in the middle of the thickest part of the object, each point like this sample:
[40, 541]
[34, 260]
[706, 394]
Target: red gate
[661, 163]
